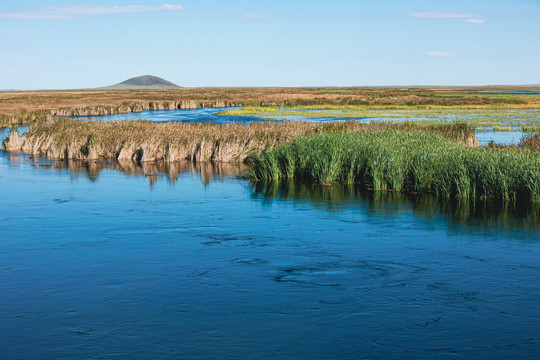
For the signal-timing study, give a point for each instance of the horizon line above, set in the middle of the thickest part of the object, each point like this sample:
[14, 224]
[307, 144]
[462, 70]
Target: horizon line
[283, 87]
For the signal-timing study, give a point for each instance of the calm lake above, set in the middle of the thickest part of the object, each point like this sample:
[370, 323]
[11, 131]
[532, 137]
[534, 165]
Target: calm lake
[109, 260]
[121, 261]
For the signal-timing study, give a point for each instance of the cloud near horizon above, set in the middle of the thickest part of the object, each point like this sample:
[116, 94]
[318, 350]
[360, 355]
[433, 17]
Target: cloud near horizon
[69, 12]
[475, 21]
[471, 17]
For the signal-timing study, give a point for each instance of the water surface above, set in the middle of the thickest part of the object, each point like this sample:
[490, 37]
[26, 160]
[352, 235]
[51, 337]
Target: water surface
[520, 92]
[183, 115]
[4, 132]
[120, 261]
[500, 137]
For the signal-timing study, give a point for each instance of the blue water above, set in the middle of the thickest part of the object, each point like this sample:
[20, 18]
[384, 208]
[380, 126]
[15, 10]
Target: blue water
[4, 132]
[521, 92]
[500, 137]
[184, 115]
[120, 261]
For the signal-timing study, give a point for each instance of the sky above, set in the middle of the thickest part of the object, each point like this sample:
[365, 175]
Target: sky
[60, 44]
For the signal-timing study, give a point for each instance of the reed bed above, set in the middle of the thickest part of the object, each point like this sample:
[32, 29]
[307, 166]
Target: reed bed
[404, 160]
[531, 128]
[148, 141]
[18, 107]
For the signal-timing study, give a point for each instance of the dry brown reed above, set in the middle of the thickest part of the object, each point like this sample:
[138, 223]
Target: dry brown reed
[148, 141]
[531, 142]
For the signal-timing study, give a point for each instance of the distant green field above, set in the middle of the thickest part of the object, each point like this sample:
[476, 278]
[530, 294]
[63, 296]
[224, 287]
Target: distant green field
[502, 119]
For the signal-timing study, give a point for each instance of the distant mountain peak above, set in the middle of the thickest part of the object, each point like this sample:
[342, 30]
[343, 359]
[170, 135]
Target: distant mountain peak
[148, 80]
[144, 82]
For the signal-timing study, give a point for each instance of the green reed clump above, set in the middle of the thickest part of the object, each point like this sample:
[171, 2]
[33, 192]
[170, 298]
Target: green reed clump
[531, 128]
[501, 128]
[4, 121]
[413, 161]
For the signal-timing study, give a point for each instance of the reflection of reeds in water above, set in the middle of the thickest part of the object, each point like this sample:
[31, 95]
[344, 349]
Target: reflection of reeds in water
[343, 197]
[154, 171]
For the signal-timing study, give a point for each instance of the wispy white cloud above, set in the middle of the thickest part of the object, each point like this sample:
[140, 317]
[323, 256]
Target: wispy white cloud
[68, 12]
[440, 54]
[259, 16]
[475, 21]
[444, 15]
[471, 18]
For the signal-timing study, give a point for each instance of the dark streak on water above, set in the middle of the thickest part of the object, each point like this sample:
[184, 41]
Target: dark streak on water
[102, 261]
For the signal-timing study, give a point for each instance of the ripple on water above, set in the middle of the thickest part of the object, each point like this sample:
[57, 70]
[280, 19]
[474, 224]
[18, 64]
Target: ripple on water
[294, 274]
[250, 261]
[147, 230]
[343, 272]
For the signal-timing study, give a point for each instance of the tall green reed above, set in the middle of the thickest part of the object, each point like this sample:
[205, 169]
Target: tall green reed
[413, 161]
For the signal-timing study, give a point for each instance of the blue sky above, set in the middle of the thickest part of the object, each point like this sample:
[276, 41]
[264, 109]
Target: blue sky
[59, 44]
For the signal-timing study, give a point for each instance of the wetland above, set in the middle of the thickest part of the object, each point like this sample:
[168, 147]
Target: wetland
[270, 223]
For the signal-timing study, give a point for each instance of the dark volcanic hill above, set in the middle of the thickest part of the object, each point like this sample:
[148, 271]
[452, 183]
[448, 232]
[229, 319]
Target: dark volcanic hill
[143, 82]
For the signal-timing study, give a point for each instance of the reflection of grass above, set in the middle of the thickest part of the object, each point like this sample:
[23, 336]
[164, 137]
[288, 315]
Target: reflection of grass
[406, 161]
[349, 196]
